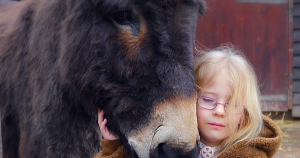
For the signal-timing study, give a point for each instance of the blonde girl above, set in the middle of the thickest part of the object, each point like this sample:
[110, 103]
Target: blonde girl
[228, 106]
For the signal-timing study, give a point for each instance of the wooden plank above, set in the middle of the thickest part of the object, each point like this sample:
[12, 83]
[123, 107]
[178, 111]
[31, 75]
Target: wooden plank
[297, 10]
[296, 48]
[296, 73]
[272, 55]
[296, 61]
[296, 86]
[296, 98]
[274, 106]
[296, 35]
[290, 54]
[296, 22]
[296, 111]
[278, 98]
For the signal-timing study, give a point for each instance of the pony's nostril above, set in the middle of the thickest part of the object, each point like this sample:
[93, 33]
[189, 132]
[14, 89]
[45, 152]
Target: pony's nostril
[162, 150]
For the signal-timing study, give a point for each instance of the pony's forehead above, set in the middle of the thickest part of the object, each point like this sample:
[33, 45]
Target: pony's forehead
[126, 3]
[163, 7]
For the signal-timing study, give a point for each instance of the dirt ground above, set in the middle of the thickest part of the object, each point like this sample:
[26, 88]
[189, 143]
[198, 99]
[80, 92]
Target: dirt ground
[290, 147]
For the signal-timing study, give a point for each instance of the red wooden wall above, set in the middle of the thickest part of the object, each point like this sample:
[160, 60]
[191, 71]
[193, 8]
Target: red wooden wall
[261, 29]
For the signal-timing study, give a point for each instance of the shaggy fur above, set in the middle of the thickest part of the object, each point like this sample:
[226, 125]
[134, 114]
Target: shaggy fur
[61, 60]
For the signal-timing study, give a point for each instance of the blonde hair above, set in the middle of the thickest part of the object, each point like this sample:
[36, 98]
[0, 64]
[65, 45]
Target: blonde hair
[243, 86]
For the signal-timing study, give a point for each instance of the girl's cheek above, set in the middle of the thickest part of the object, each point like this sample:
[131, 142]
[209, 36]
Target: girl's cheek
[199, 113]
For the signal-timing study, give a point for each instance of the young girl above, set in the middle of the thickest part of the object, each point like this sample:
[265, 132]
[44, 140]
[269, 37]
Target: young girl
[229, 115]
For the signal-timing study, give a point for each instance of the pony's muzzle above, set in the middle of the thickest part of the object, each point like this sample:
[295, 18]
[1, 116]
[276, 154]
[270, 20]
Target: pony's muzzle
[164, 150]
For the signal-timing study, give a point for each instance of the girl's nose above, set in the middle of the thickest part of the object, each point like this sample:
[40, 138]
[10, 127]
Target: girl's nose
[219, 110]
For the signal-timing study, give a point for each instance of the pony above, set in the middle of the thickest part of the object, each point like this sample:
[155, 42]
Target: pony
[61, 60]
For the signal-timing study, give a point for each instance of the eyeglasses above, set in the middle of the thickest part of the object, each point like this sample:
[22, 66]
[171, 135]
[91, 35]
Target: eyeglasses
[210, 103]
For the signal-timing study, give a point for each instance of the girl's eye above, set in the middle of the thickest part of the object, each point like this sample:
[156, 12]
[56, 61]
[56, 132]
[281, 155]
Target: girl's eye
[208, 100]
[122, 17]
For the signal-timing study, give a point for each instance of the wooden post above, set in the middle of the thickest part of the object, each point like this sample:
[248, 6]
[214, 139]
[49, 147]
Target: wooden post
[296, 60]
[1, 153]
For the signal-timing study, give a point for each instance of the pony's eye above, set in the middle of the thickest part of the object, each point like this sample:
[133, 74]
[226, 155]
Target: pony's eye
[122, 17]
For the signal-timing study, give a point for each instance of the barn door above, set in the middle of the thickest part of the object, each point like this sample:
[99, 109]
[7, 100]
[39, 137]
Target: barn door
[261, 29]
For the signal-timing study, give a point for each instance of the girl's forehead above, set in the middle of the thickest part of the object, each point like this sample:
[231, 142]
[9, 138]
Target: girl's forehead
[216, 80]
[217, 77]
[214, 70]
[216, 95]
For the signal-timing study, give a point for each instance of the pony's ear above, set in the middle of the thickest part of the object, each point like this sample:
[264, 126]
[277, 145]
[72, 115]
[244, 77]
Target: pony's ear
[202, 8]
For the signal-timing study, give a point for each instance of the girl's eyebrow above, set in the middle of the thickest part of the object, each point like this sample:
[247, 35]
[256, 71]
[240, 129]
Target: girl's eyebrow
[215, 94]
[209, 93]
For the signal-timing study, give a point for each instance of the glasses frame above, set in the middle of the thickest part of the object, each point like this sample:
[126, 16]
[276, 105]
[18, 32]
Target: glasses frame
[216, 104]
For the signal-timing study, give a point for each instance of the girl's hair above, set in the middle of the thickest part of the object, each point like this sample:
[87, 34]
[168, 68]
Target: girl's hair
[243, 87]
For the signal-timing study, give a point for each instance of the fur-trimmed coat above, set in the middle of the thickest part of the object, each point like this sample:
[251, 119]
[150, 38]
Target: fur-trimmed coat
[263, 146]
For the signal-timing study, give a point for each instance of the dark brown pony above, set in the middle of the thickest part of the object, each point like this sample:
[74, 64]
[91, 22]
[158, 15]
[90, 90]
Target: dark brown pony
[61, 60]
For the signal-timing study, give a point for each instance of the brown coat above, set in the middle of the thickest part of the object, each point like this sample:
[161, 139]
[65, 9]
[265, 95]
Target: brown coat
[263, 146]
[112, 149]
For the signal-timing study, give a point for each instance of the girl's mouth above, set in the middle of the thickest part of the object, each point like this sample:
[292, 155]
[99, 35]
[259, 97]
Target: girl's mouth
[216, 125]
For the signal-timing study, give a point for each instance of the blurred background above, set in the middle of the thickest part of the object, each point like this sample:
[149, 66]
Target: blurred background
[268, 32]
